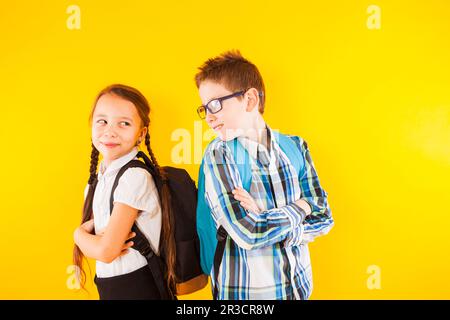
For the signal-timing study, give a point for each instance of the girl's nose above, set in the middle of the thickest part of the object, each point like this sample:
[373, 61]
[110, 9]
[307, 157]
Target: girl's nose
[110, 132]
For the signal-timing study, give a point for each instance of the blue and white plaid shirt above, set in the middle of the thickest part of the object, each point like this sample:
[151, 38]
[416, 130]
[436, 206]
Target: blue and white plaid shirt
[268, 256]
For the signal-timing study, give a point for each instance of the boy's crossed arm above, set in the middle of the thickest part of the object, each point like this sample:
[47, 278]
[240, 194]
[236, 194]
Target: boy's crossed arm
[249, 226]
[249, 229]
[320, 221]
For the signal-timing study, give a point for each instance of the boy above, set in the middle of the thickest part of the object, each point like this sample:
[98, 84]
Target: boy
[265, 229]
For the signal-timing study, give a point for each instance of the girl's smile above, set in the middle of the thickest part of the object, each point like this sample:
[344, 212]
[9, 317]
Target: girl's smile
[110, 145]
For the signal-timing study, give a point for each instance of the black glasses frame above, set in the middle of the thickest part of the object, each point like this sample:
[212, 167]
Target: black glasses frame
[205, 107]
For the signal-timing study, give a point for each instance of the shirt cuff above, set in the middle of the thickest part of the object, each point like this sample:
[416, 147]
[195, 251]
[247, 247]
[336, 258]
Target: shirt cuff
[295, 214]
[295, 237]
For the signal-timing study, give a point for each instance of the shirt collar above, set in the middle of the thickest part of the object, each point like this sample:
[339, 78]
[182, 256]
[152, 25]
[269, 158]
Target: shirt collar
[116, 164]
[253, 147]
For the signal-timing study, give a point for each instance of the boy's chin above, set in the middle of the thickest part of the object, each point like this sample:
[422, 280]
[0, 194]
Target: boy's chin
[227, 137]
[225, 140]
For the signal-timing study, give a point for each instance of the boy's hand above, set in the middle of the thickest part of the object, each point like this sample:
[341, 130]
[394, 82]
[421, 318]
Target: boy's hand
[246, 200]
[304, 205]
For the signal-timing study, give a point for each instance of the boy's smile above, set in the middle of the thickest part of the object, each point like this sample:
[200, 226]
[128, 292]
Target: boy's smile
[218, 127]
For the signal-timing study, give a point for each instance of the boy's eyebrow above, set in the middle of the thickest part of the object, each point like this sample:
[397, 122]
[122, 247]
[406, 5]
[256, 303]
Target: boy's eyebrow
[105, 116]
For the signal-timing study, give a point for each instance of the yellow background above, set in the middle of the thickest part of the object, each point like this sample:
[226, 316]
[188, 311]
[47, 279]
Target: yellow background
[372, 104]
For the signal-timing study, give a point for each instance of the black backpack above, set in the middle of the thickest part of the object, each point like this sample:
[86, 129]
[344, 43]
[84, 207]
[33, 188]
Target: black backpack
[183, 191]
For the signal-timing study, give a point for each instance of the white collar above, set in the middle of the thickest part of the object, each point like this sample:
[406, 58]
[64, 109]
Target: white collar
[252, 146]
[116, 164]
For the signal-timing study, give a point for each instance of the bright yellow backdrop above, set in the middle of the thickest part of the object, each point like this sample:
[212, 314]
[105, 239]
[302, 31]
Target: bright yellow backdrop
[372, 104]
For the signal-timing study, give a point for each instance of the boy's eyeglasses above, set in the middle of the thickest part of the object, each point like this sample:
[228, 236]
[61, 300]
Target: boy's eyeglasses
[215, 105]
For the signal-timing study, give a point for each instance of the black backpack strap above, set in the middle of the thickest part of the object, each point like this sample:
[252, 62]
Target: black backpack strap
[141, 242]
[218, 256]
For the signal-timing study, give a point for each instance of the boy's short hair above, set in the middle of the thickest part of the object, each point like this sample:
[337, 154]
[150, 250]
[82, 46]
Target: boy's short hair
[234, 72]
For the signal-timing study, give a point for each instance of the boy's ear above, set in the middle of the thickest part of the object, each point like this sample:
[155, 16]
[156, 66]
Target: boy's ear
[252, 99]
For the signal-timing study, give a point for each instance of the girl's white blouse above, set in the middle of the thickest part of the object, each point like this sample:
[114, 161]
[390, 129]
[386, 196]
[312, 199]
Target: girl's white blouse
[136, 189]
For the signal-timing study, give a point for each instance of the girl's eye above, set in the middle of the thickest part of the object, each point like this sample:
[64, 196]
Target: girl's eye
[101, 121]
[125, 123]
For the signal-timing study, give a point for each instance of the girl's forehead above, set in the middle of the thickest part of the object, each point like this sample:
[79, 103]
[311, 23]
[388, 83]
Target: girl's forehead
[115, 106]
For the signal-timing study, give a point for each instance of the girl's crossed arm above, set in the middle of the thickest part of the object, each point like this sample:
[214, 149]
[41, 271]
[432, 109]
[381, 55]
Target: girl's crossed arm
[111, 243]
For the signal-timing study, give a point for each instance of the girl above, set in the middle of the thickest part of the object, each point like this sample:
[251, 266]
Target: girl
[120, 120]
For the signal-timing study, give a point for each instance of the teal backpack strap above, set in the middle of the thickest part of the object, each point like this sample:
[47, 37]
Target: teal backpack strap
[206, 228]
[291, 150]
[242, 160]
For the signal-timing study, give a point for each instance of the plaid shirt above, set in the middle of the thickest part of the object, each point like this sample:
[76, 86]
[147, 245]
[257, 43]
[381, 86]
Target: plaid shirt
[268, 256]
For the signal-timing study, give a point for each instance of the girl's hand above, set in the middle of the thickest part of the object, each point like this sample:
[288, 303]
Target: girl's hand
[246, 200]
[126, 245]
[88, 226]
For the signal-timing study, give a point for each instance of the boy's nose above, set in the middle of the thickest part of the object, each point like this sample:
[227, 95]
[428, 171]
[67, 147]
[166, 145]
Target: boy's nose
[210, 118]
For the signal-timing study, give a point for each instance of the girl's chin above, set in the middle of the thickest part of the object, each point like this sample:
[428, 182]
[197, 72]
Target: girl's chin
[110, 155]
[108, 158]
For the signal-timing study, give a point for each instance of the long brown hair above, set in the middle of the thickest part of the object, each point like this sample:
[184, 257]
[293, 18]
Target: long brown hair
[168, 244]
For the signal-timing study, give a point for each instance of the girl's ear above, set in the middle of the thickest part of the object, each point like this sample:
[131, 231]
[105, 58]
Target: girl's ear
[253, 99]
[142, 135]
